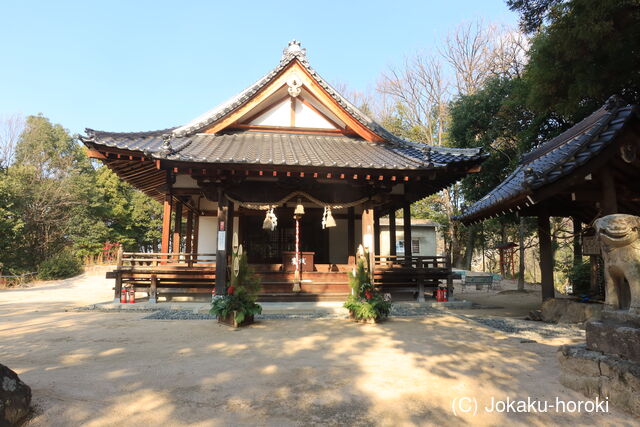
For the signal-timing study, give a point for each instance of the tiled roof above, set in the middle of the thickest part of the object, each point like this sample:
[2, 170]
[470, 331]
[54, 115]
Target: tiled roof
[187, 143]
[290, 149]
[553, 160]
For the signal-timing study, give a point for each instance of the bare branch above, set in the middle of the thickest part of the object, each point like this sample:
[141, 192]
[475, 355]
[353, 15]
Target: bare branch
[10, 129]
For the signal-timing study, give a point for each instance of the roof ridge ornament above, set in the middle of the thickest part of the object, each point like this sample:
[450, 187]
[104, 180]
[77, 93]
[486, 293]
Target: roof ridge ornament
[166, 143]
[293, 49]
[614, 102]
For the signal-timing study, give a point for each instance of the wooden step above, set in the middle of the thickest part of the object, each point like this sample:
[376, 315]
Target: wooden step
[300, 296]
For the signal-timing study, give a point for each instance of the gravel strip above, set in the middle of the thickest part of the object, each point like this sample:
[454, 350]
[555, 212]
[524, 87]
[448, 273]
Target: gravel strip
[189, 315]
[528, 329]
[396, 311]
[405, 310]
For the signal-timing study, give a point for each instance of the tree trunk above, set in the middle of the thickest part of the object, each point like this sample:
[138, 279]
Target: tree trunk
[456, 249]
[471, 243]
[521, 254]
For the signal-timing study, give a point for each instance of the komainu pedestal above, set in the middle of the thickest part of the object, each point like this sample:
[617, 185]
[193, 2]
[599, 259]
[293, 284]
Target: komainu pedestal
[608, 366]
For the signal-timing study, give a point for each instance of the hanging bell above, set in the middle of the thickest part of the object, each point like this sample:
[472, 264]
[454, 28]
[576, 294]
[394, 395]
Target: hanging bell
[329, 221]
[267, 224]
[299, 208]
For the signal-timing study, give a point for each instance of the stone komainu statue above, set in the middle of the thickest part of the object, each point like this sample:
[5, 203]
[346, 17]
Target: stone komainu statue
[619, 237]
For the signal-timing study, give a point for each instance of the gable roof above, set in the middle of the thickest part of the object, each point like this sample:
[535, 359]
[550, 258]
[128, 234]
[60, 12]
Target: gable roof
[293, 53]
[554, 160]
[192, 143]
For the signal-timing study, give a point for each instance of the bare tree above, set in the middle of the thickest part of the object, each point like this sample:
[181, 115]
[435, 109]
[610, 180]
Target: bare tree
[477, 52]
[423, 92]
[509, 53]
[467, 49]
[10, 129]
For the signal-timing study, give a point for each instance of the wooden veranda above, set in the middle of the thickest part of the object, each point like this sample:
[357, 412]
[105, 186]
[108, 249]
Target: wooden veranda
[169, 275]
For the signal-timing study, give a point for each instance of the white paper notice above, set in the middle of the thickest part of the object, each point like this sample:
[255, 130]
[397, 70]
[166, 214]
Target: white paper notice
[221, 240]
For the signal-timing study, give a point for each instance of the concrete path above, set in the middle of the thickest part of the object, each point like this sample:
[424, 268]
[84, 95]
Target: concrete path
[115, 368]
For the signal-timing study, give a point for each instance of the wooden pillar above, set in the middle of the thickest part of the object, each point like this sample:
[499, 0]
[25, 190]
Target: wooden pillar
[406, 211]
[376, 231]
[392, 232]
[177, 228]
[367, 233]
[189, 233]
[609, 204]
[546, 257]
[221, 252]
[229, 241]
[166, 225]
[118, 287]
[351, 232]
[196, 228]
[153, 289]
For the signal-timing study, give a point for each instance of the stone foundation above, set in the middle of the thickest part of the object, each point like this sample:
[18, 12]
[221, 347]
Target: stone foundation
[558, 310]
[596, 374]
[617, 339]
[608, 366]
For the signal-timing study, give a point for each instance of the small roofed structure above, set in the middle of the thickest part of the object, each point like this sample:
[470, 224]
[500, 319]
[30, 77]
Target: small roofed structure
[590, 170]
[237, 172]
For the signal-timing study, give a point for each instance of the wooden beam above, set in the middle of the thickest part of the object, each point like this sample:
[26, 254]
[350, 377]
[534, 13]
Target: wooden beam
[229, 239]
[351, 232]
[287, 129]
[95, 154]
[474, 169]
[189, 232]
[177, 228]
[166, 223]
[546, 257]
[406, 214]
[368, 232]
[392, 232]
[196, 229]
[221, 251]
[376, 231]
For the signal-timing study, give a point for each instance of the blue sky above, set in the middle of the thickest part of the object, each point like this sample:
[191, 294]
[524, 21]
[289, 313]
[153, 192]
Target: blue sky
[145, 65]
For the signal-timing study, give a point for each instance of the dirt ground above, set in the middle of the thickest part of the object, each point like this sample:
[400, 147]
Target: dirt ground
[104, 369]
[503, 300]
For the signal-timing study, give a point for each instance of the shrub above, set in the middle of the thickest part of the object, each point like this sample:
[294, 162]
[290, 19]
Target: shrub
[580, 278]
[242, 291]
[60, 266]
[365, 302]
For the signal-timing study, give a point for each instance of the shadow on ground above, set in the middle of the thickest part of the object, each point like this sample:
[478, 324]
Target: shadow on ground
[95, 368]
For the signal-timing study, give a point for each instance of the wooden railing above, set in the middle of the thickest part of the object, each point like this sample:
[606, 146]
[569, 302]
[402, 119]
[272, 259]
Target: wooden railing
[147, 259]
[391, 261]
